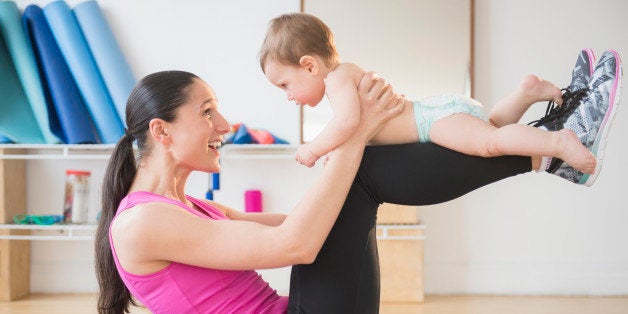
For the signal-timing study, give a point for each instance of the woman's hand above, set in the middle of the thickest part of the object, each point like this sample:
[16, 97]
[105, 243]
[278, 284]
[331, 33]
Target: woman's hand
[378, 104]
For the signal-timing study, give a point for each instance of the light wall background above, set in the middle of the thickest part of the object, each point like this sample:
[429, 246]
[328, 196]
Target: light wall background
[536, 233]
[532, 234]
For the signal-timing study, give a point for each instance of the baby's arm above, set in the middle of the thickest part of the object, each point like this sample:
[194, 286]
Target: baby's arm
[341, 90]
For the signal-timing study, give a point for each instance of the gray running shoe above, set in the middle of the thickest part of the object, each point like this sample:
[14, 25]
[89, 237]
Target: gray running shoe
[582, 71]
[589, 114]
[580, 78]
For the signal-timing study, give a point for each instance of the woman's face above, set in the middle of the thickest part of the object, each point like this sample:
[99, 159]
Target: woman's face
[198, 130]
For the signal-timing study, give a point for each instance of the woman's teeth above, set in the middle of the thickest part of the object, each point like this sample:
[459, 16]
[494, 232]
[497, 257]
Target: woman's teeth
[215, 144]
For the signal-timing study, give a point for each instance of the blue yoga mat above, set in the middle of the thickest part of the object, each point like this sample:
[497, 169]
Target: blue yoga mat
[113, 66]
[5, 140]
[17, 121]
[21, 53]
[68, 36]
[75, 125]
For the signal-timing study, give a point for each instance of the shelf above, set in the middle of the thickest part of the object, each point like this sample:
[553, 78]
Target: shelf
[50, 232]
[258, 151]
[103, 151]
[86, 232]
[57, 151]
[386, 232]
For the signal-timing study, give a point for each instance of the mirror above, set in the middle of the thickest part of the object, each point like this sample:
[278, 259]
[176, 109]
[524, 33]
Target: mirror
[421, 47]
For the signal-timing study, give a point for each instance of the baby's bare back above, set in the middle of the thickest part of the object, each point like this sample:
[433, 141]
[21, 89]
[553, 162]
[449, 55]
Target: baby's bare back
[399, 130]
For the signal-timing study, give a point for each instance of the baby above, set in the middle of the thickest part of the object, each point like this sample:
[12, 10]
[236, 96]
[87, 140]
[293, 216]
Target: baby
[299, 56]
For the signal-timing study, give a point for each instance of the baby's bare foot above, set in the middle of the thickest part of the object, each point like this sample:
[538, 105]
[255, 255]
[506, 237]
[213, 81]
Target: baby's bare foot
[535, 89]
[574, 153]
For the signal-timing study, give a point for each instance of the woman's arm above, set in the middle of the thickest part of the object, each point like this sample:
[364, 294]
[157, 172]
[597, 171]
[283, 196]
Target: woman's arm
[165, 232]
[268, 219]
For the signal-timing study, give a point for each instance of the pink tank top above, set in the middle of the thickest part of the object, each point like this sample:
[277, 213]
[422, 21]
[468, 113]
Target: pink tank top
[181, 288]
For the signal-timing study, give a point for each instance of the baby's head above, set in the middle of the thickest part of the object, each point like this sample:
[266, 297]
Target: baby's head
[296, 56]
[294, 35]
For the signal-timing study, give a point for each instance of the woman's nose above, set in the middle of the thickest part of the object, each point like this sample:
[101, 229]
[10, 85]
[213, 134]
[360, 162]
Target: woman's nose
[221, 125]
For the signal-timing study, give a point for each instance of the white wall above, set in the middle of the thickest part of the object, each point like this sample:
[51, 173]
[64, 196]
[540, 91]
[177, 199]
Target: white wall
[532, 234]
[536, 233]
[425, 61]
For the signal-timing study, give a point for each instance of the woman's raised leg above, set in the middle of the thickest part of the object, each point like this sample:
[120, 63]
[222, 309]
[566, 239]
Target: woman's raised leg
[344, 278]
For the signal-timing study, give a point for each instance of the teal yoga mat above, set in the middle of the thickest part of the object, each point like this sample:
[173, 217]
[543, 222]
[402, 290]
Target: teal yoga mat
[20, 50]
[78, 57]
[111, 62]
[17, 121]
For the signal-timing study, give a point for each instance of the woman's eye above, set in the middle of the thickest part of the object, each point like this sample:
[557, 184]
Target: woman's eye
[207, 113]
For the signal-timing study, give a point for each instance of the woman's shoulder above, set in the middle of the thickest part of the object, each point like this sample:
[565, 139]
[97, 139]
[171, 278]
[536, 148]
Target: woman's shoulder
[140, 206]
[138, 197]
[144, 207]
[145, 220]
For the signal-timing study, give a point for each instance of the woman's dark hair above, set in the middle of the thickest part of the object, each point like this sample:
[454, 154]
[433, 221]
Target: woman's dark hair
[157, 95]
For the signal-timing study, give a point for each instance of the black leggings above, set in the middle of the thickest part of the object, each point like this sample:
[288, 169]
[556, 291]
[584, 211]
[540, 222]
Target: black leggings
[345, 276]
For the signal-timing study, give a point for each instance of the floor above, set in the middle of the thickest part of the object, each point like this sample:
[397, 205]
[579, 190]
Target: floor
[85, 303]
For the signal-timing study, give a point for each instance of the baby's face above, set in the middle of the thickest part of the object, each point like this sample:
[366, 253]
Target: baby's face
[300, 84]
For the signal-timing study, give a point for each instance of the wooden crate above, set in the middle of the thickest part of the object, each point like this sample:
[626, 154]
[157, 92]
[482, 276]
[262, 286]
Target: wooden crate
[401, 262]
[15, 264]
[397, 214]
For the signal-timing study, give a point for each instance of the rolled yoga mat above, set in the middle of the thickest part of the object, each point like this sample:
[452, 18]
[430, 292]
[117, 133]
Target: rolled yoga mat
[21, 53]
[17, 121]
[5, 140]
[64, 97]
[111, 62]
[77, 55]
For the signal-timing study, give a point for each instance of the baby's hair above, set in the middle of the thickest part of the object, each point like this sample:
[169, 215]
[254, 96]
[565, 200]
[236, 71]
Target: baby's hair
[294, 35]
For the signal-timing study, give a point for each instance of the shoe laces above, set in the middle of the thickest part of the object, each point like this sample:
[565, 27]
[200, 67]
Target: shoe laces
[571, 100]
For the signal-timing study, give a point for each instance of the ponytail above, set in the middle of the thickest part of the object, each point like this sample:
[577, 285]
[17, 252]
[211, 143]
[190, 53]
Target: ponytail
[114, 296]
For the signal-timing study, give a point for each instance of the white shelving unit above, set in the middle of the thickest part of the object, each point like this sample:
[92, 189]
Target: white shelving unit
[86, 232]
[65, 232]
[387, 235]
[102, 152]
[258, 151]
[56, 152]
[51, 232]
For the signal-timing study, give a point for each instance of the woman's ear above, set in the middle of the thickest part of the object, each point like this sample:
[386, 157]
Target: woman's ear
[309, 63]
[158, 130]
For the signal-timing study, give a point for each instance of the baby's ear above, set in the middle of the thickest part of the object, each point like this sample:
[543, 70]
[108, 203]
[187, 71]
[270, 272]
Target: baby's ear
[309, 63]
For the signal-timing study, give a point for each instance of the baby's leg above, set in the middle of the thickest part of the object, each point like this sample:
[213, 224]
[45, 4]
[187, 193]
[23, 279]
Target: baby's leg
[532, 89]
[470, 135]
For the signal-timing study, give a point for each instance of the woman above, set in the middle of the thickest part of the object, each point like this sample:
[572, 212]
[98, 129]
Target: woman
[178, 254]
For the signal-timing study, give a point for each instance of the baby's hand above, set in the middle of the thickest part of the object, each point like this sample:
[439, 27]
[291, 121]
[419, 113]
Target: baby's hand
[305, 156]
